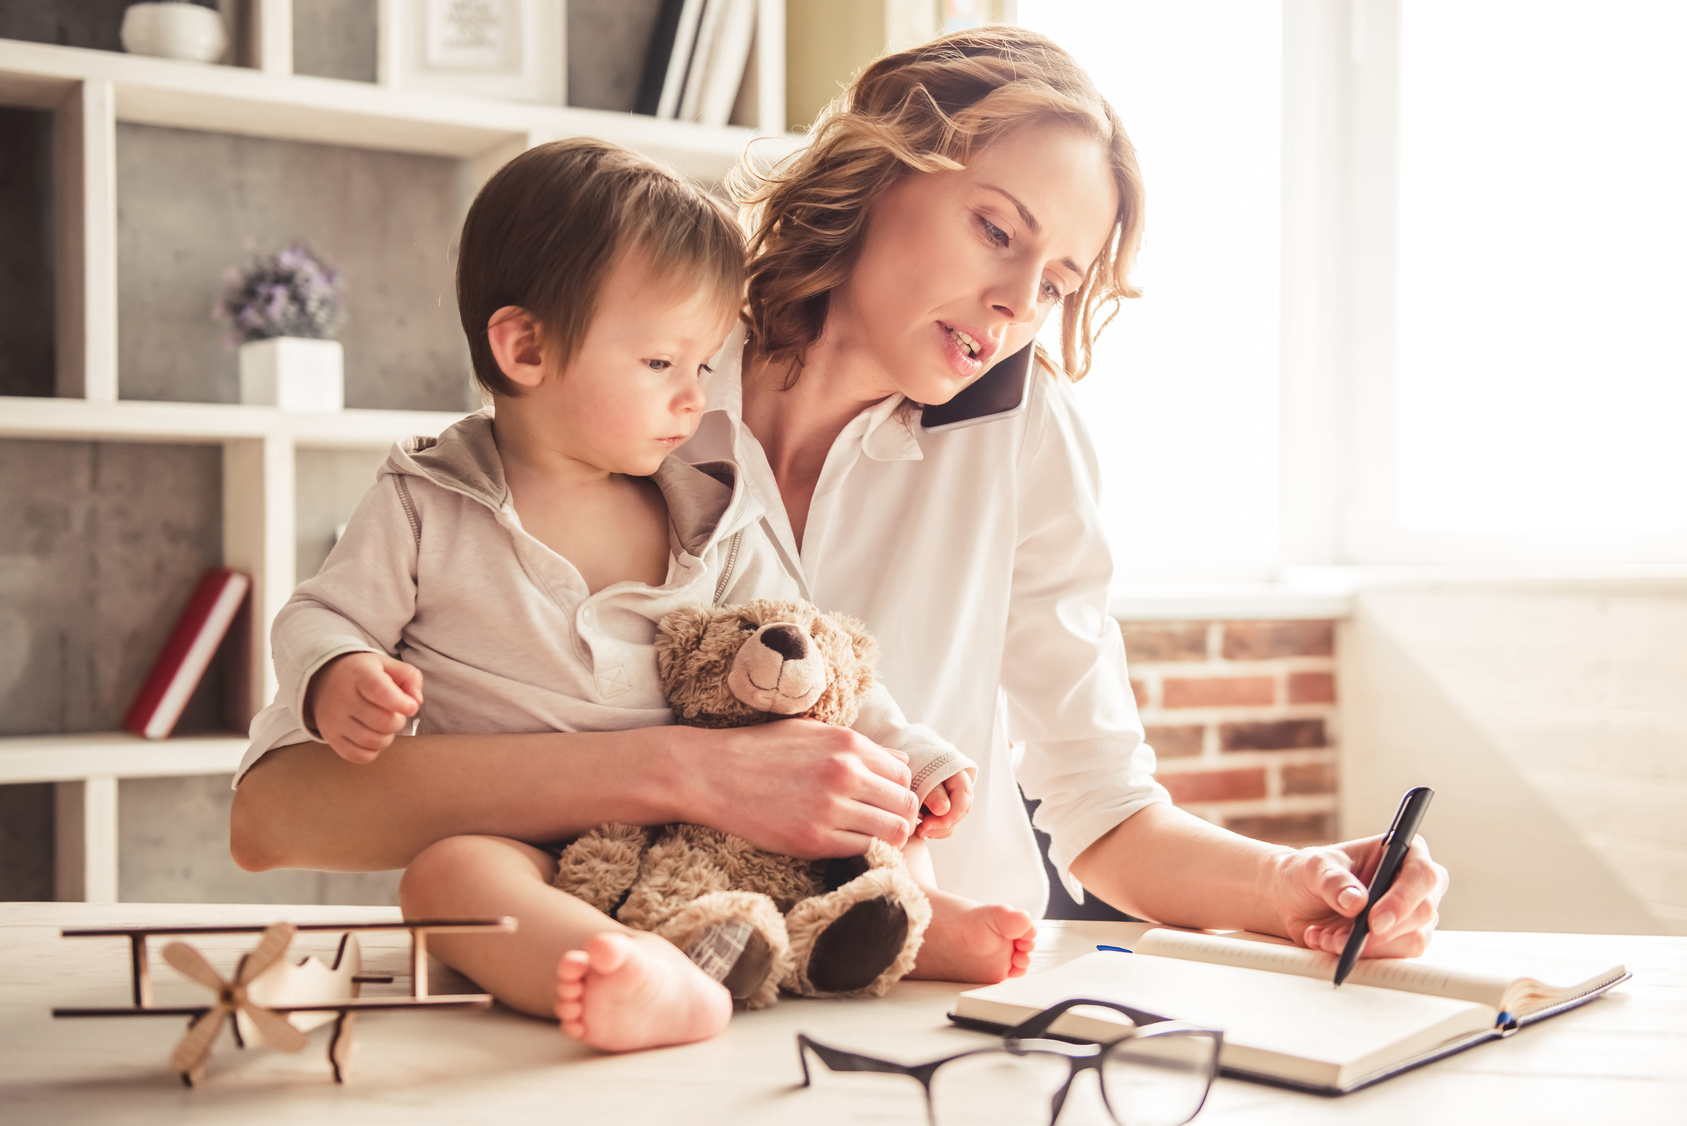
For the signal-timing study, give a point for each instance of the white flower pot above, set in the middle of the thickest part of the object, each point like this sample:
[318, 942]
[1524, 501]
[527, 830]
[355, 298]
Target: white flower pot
[174, 30]
[293, 373]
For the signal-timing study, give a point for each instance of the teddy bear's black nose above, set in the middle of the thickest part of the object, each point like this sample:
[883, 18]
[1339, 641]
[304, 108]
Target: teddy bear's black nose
[787, 641]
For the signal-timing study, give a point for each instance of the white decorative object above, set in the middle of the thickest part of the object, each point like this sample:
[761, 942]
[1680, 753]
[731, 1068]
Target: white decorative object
[293, 373]
[174, 30]
[508, 49]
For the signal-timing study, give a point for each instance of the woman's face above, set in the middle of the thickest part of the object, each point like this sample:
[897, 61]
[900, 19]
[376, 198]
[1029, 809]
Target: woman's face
[959, 269]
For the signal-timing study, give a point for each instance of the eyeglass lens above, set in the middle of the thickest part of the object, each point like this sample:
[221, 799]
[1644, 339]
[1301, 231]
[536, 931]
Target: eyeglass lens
[997, 1086]
[1158, 1080]
[1152, 1081]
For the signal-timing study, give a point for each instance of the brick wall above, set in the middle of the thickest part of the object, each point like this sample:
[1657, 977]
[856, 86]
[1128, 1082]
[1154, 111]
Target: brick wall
[1243, 718]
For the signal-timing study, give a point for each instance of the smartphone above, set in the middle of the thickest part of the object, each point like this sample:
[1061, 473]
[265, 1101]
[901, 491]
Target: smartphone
[1000, 392]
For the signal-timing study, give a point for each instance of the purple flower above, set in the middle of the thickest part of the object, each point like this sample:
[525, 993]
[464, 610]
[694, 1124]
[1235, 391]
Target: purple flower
[291, 292]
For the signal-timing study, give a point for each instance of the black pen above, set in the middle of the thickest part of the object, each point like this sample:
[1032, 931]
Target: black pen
[1394, 846]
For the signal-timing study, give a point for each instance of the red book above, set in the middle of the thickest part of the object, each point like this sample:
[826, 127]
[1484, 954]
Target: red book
[176, 673]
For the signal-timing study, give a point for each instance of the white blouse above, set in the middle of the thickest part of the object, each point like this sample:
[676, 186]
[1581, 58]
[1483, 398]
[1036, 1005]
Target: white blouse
[977, 558]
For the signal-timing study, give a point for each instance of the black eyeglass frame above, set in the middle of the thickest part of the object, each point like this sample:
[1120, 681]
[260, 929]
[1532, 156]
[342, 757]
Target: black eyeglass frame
[840, 1059]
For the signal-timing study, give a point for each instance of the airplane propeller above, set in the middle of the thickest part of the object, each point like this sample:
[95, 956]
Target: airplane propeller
[189, 1056]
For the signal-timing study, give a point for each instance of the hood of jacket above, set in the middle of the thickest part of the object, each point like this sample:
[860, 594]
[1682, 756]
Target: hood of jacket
[707, 501]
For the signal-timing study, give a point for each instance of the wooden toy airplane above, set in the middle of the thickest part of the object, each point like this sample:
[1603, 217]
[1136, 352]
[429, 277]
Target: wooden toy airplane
[276, 1001]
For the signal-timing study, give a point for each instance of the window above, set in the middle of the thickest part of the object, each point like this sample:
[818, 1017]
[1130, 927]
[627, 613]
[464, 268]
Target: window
[1542, 380]
[1182, 399]
[1464, 314]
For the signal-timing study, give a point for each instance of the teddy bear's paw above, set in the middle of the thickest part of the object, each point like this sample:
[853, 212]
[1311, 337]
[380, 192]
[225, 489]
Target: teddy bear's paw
[734, 954]
[858, 940]
[881, 855]
[858, 946]
[738, 938]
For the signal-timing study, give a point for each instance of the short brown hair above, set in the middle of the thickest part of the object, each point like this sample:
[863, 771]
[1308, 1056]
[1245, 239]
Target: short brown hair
[925, 110]
[548, 227]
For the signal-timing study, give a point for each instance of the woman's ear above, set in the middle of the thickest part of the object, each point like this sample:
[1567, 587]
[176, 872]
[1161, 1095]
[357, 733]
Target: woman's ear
[518, 345]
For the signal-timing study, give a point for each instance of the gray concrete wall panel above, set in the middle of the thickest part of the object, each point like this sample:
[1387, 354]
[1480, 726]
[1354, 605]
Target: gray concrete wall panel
[336, 39]
[102, 545]
[173, 834]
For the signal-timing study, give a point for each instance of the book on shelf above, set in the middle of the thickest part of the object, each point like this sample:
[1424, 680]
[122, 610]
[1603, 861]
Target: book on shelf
[1284, 1022]
[698, 54]
[667, 57]
[182, 663]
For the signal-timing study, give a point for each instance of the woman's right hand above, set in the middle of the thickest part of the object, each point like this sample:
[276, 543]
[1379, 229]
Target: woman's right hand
[796, 786]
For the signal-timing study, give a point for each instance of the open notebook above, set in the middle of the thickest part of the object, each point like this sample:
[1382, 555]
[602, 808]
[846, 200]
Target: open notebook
[1283, 1020]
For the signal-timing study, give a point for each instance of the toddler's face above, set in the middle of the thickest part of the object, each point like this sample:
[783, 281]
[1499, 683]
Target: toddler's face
[633, 392]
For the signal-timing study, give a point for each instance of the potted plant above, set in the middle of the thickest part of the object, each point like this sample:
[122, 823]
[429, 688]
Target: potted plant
[175, 29]
[283, 307]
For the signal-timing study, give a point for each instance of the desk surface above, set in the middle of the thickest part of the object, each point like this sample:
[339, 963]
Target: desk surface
[1620, 1059]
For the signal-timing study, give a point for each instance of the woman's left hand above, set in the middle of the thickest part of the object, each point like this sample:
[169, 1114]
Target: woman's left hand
[1320, 890]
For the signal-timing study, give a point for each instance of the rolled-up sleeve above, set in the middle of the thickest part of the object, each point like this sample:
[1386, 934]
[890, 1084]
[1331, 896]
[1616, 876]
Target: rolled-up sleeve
[932, 760]
[1069, 698]
[359, 602]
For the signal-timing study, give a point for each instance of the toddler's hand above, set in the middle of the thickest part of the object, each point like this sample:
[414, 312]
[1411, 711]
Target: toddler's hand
[358, 702]
[945, 806]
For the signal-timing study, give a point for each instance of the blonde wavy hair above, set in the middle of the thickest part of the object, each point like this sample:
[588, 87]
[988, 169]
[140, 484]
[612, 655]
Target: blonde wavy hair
[924, 110]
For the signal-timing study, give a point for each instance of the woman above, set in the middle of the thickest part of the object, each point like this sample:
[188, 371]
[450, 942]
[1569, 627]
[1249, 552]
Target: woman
[948, 203]
[890, 269]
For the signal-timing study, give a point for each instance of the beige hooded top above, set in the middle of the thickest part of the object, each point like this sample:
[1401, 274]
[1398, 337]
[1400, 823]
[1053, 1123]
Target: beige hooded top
[436, 570]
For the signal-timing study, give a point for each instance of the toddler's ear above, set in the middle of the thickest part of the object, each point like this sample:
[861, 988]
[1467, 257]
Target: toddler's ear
[517, 340]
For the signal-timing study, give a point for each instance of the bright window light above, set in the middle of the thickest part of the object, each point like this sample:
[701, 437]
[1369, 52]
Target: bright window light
[1183, 396]
[1543, 364]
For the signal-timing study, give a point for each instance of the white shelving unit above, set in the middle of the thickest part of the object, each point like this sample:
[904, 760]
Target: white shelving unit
[89, 92]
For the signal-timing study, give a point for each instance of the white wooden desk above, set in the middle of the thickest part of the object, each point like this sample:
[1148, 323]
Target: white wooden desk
[1620, 1059]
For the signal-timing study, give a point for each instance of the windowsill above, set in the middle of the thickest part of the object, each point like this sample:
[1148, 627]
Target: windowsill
[1213, 602]
[1317, 593]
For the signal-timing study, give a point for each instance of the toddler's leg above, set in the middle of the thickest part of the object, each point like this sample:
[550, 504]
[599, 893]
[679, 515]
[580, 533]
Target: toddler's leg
[612, 987]
[967, 940]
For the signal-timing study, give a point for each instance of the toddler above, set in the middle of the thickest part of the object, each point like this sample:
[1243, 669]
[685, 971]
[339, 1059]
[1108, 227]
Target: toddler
[507, 577]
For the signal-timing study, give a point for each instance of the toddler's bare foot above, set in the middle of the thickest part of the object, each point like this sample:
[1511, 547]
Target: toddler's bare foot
[623, 992]
[972, 941]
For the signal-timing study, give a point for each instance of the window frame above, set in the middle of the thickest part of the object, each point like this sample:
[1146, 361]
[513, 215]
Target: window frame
[1339, 372]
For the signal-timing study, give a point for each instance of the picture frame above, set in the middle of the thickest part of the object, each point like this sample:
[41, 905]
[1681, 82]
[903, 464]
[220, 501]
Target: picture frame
[511, 50]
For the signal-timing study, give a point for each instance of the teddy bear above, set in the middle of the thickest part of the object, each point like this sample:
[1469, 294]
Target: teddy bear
[754, 920]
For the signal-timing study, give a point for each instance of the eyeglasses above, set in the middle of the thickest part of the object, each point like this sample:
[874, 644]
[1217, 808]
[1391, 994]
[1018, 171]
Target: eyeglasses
[1157, 1074]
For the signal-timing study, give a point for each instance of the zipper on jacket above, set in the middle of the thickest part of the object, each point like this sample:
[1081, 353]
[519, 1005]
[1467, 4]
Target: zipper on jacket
[731, 562]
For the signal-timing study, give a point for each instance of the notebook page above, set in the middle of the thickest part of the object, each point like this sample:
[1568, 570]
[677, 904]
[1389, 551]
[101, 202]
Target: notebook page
[1535, 980]
[1273, 1023]
[1476, 980]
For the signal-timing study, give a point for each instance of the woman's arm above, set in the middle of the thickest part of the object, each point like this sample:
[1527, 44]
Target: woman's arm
[1067, 684]
[1170, 866]
[796, 786]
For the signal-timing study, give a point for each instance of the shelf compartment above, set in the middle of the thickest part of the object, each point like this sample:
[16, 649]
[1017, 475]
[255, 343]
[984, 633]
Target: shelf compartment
[329, 484]
[87, 768]
[27, 302]
[191, 204]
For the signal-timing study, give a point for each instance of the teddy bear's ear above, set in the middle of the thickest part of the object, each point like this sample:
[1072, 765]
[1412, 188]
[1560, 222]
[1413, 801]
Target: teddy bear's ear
[683, 630]
[851, 651]
[861, 642]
